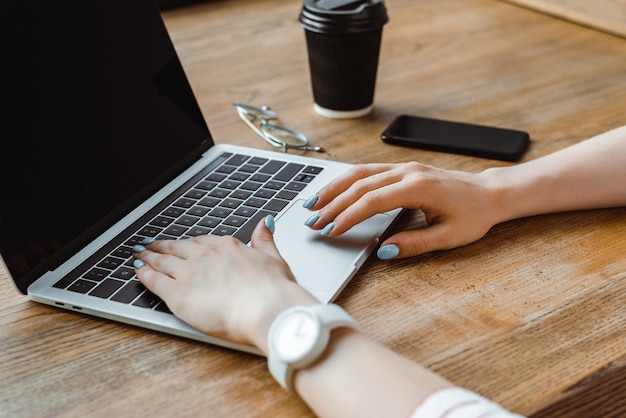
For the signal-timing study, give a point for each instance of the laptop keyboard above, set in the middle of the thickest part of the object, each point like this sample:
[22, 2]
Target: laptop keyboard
[228, 198]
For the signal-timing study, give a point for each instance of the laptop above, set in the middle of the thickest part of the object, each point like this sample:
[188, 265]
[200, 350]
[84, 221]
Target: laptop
[108, 146]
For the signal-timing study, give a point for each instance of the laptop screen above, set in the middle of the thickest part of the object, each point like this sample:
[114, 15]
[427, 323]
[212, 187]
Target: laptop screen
[101, 113]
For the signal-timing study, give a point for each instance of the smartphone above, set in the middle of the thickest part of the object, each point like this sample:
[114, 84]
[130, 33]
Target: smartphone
[457, 137]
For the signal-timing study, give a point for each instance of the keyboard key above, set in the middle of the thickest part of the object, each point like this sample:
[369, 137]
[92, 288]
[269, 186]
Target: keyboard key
[237, 159]
[124, 273]
[198, 211]
[245, 211]
[265, 194]
[216, 177]
[81, 286]
[209, 202]
[187, 220]
[260, 178]
[286, 194]
[162, 307]
[123, 252]
[96, 274]
[195, 194]
[209, 222]
[304, 178]
[298, 187]
[311, 169]
[239, 176]
[241, 194]
[110, 263]
[248, 168]
[173, 212]
[276, 205]
[288, 172]
[251, 185]
[225, 169]
[220, 212]
[257, 160]
[161, 221]
[147, 300]
[223, 230]
[219, 193]
[235, 221]
[231, 203]
[207, 185]
[184, 203]
[255, 202]
[150, 231]
[229, 185]
[129, 292]
[106, 288]
[272, 167]
[276, 185]
[197, 231]
[176, 230]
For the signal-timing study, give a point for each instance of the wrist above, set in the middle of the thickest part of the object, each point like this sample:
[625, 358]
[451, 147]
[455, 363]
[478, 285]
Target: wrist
[259, 327]
[508, 193]
[300, 336]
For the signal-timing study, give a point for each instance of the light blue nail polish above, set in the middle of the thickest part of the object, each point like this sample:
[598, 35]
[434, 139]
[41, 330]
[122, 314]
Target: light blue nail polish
[328, 228]
[138, 264]
[269, 223]
[312, 220]
[138, 248]
[387, 252]
[147, 241]
[310, 202]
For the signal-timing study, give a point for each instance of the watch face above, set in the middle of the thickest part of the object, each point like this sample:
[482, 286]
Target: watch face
[296, 335]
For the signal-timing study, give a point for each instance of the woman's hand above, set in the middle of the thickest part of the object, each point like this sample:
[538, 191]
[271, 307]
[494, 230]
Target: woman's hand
[220, 286]
[458, 205]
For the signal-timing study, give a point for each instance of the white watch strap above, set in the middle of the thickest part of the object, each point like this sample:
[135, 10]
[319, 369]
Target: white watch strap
[331, 316]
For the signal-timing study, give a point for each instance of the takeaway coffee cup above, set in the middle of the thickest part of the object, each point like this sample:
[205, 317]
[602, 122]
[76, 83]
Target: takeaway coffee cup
[343, 41]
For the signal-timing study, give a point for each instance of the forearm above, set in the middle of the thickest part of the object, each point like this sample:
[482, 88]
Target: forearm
[588, 175]
[359, 377]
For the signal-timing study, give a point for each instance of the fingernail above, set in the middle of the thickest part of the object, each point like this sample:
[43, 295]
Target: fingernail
[312, 220]
[328, 228]
[269, 223]
[147, 241]
[387, 252]
[310, 202]
[138, 248]
[138, 264]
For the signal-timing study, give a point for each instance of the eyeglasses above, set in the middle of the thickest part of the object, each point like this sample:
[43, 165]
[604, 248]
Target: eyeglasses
[275, 135]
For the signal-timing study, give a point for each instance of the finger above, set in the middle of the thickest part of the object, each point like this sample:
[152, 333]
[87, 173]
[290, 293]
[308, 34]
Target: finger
[358, 190]
[156, 258]
[263, 238]
[182, 248]
[156, 282]
[421, 241]
[344, 181]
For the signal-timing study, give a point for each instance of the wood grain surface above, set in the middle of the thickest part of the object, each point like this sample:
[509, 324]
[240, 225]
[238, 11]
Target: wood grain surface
[605, 15]
[532, 316]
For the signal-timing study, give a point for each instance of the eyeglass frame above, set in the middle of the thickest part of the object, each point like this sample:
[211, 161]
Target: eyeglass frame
[264, 114]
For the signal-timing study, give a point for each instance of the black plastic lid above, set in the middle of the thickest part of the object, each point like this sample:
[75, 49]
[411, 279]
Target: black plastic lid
[343, 16]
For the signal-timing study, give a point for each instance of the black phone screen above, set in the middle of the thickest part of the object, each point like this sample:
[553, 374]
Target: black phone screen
[457, 137]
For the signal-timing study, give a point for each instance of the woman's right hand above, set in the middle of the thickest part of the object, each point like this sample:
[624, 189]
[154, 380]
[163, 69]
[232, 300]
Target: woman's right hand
[459, 206]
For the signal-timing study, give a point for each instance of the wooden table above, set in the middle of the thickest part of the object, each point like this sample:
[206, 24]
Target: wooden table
[532, 316]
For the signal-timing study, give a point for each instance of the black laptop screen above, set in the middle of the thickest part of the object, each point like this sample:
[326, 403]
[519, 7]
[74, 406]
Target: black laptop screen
[100, 110]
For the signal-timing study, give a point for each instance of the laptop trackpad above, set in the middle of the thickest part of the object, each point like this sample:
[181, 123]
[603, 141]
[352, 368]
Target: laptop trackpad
[321, 264]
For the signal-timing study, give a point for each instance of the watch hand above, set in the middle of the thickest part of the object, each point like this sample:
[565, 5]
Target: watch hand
[301, 329]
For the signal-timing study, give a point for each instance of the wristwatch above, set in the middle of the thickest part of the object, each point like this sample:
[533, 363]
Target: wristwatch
[299, 336]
